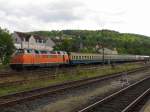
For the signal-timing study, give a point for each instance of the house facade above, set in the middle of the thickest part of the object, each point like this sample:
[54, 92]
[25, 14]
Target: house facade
[25, 40]
[108, 51]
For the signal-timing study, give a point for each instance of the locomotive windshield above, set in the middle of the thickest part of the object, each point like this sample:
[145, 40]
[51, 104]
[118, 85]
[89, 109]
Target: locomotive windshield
[19, 51]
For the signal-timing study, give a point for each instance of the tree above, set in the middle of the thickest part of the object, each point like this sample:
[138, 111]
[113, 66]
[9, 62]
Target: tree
[125, 43]
[6, 46]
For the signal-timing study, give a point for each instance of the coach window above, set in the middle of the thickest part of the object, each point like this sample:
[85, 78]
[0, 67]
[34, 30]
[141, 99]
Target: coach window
[96, 57]
[52, 52]
[80, 57]
[76, 57]
[43, 52]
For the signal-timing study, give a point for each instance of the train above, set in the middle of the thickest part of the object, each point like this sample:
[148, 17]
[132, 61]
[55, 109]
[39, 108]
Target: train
[32, 58]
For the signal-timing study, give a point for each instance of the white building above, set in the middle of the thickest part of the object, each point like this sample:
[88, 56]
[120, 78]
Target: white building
[108, 51]
[25, 40]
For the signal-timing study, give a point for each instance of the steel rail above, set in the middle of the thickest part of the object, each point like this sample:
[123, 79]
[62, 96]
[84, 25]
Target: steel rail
[41, 92]
[115, 97]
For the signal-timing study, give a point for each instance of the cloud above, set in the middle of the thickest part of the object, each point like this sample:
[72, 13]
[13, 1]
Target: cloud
[26, 16]
[64, 10]
[30, 15]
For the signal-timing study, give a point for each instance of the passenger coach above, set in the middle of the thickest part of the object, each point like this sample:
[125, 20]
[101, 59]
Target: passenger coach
[87, 58]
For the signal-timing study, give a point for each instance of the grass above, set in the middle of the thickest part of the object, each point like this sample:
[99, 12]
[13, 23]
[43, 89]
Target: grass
[3, 66]
[79, 74]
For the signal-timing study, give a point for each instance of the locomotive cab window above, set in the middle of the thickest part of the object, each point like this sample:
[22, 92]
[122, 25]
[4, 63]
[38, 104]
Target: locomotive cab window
[28, 51]
[37, 52]
[43, 52]
[58, 52]
[19, 51]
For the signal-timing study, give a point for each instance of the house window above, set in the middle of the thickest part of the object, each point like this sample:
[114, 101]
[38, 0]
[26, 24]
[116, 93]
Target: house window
[26, 39]
[40, 41]
[16, 40]
[44, 41]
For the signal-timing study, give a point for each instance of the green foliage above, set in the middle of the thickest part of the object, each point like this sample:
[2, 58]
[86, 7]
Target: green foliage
[124, 42]
[6, 46]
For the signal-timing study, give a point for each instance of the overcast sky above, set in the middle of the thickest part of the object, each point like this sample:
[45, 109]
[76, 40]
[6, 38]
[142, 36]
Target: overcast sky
[131, 16]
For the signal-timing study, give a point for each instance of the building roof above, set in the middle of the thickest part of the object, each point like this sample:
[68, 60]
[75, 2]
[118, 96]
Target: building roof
[23, 35]
[27, 36]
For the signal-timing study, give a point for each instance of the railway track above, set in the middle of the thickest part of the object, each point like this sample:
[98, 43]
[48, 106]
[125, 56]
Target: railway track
[9, 73]
[40, 92]
[53, 70]
[124, 100]
[45, 75]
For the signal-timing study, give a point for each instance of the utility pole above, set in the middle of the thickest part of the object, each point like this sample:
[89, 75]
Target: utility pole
[101, 46]
[103, 52]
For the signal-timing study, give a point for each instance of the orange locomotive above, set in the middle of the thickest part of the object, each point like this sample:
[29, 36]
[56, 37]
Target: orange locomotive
[25, 58]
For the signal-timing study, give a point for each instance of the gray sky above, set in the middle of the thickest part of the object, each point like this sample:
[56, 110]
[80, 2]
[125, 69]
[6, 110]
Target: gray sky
[121, 15]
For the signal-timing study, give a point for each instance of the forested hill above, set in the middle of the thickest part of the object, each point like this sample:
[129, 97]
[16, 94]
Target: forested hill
[86, 40]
